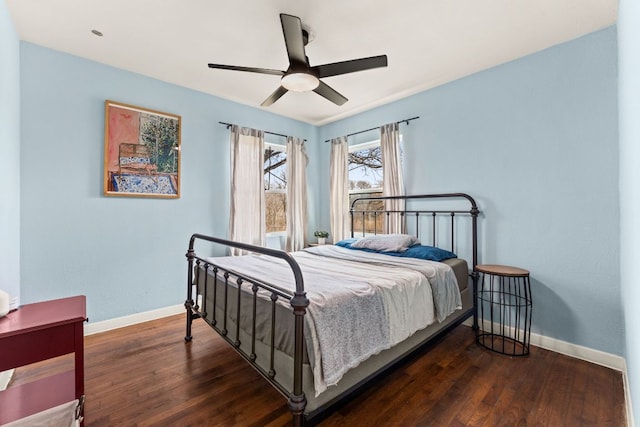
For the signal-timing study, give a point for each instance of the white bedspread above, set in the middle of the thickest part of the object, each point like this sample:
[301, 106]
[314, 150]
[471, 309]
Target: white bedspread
[360, 303]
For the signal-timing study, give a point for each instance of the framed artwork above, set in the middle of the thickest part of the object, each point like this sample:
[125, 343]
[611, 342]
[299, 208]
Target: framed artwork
[141, 152]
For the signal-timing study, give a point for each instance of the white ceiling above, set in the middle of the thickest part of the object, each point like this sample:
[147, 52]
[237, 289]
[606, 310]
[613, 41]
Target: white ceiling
[428, 42]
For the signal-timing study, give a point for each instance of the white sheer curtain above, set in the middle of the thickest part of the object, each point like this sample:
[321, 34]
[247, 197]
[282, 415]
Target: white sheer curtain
[339, 189]
[392, 182]
[296, 194]
[247, 217]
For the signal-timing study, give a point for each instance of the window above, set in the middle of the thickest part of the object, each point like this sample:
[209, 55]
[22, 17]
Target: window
[275, 187]
[365, 179]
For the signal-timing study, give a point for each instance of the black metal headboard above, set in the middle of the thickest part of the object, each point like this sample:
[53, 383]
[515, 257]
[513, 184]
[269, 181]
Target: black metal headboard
[371, 211]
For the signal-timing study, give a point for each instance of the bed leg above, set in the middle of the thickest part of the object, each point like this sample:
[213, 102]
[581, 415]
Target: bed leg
[474, 278]
[296, 406]
[297, 399]
[188, 336]
[188, 304]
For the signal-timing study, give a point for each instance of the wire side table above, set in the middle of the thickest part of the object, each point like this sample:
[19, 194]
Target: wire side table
[504, 304]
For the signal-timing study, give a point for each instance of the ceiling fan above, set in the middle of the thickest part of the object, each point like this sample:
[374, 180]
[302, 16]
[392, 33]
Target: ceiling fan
[300, 76]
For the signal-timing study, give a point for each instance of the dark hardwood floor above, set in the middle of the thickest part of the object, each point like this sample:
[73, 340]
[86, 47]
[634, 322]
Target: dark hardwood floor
[146, 375]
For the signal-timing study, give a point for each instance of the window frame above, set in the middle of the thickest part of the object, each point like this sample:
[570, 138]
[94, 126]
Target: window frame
[280, 149]
[374, 190]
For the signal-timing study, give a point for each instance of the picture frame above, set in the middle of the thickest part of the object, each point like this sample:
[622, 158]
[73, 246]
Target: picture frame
[142, 152]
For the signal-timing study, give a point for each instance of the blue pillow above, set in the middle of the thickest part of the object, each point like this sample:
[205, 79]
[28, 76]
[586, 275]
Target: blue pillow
[429, 253]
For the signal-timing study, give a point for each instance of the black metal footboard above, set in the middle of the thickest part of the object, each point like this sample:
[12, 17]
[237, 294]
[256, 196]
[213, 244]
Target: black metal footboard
[298, 301]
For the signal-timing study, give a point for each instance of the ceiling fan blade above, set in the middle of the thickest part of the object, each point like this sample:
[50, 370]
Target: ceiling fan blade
[277, 94]
[325, 90]
[292, 30]
[345, 67]
[248, 69]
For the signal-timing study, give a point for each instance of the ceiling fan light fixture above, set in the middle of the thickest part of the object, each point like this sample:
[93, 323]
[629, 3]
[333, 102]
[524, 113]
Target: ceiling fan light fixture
[300, 82]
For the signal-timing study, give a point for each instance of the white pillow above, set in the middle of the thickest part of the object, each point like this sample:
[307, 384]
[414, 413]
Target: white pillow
[387, 242]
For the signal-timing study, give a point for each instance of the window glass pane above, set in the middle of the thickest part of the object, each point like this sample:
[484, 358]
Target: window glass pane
[372, 222]
[275, 169]
[365, 168]
[275, 211]
[275, 185]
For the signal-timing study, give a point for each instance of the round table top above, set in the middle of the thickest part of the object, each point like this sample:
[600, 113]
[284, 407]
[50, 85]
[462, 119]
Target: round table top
[502, 270]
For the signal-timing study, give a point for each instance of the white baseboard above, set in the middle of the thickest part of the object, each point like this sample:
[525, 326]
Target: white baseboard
[120, 322]
[584, 353]
[5, 378]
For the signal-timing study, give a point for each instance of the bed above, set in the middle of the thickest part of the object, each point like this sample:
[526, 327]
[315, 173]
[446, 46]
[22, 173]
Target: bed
[320, 323]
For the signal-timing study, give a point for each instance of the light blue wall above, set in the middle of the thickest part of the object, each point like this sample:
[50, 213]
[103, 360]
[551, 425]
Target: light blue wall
[629, 102]
[9, 157]
[535, 141]
[125, 254]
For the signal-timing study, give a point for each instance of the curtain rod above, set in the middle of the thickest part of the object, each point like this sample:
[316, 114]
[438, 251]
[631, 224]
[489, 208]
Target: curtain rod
[228, 125]
[368, 130]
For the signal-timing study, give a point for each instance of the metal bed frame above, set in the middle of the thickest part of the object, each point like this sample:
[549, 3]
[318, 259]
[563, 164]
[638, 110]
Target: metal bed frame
[298, 301]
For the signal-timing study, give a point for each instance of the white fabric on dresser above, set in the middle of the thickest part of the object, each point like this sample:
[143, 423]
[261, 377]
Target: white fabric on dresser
[59, 416]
